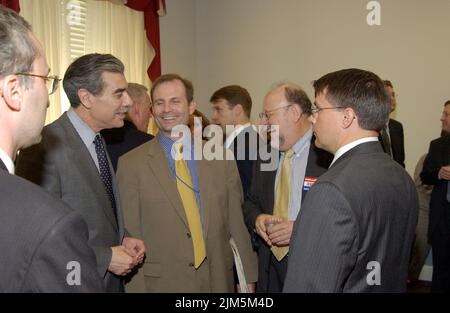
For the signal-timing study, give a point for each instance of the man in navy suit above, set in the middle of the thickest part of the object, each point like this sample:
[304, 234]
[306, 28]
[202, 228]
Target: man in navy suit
[232, 106]
[133, 133]
[436, 171]
[44, 243]
[286, 112]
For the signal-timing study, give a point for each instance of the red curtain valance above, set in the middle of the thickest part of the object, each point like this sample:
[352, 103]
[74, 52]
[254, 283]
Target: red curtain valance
[152, 9]
[12, 4]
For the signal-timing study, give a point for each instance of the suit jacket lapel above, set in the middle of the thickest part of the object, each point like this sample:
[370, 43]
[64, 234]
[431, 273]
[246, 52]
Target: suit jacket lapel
[3, 166]
[85, 165]
[159, 165]
[203, 170]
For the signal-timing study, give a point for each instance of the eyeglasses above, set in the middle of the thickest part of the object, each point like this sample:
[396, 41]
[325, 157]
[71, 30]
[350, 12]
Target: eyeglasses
[315, 109]
[51, 82]
[268, 114]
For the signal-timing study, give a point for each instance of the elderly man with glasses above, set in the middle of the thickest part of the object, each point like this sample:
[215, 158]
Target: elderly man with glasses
[275, 197]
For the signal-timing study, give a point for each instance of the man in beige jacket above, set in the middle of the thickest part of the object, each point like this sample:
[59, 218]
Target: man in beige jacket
[156, 211]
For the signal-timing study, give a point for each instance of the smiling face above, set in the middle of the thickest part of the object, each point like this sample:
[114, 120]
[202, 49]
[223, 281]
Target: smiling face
[276, 109]
[107, 110]
[170, 106]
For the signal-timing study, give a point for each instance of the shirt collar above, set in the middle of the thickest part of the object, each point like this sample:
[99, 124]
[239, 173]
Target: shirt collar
[302, 142]
[86, 133]
[7, 161]
[167, 144]
[351, 145]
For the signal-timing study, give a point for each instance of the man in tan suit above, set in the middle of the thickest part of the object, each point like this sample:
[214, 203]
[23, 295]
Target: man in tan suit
[180, 257]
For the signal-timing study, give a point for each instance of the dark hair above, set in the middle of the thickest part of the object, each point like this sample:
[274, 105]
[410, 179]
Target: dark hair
[171, 77]
[363, 91]
[234, 95]
[17, 49]
[86, 73]
[447, 102]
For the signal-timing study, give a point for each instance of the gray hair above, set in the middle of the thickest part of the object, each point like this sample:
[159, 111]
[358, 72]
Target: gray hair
[17, 49]
[86, 73]
[136, 91]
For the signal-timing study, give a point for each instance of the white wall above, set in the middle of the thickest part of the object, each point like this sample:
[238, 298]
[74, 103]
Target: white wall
[256, 43]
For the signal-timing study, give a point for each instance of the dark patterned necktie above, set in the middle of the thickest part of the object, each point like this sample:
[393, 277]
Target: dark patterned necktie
[385, 141]
[105, 172]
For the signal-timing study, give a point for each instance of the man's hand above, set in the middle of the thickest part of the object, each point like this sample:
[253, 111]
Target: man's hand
[280, 233]
[136, 246]
[251, 288]
[444, 172]
[261, 224]
[121, 261]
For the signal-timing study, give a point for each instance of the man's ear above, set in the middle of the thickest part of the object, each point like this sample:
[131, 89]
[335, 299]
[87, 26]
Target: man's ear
[192, 107]
[12, 92]
[85, 98]
[348, 117]
[238, 109]
[296, 112]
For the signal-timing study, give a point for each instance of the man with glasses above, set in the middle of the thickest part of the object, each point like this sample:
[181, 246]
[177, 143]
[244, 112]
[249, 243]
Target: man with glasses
[71, 162]
[275, 197]
[44, 243]
[436, 171]
[355, 230]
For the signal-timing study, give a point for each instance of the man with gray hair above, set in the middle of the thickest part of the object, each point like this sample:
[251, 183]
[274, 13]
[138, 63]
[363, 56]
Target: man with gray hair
[44, 243]
[133, 133]
[71, 161]
[356, 227]
[275, 197]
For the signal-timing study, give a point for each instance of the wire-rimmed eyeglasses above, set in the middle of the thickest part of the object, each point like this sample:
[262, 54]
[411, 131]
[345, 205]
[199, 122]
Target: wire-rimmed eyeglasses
[268, 114]
[315, 109]
[51, 82]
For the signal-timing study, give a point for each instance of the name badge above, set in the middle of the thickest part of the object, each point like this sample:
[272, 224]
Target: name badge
[308, 182]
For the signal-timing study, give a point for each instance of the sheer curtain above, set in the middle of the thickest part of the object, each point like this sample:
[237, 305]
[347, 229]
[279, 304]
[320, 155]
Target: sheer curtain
[69, 28]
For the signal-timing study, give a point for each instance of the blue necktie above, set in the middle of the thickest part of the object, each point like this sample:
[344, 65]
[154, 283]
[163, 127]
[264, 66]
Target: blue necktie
[105, 171]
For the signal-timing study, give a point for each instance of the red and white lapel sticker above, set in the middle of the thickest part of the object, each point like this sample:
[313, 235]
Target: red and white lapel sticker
[308, 182]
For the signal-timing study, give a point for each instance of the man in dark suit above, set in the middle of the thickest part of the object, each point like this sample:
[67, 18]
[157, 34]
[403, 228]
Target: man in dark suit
[133, 133]
[355, 230]
[71, 162]
[43, 242]
[391, 135]
[286, 112]
[436, 171]
[232, 106]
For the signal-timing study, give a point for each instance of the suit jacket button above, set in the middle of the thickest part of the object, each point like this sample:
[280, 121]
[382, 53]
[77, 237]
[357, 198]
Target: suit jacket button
[191, 264]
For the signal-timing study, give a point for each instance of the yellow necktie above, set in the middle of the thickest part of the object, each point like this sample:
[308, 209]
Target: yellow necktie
[184, 185]
[282, 193]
